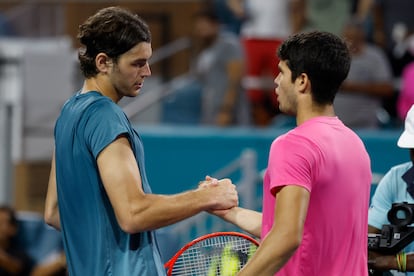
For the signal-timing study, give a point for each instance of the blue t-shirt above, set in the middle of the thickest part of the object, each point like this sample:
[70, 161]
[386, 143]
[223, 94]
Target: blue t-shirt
[93, 241]
[391, 189]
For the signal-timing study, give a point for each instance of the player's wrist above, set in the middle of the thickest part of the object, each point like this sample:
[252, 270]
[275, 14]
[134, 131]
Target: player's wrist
[203, 198]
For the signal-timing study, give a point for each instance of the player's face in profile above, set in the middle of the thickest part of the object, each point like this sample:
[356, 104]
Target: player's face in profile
[127, 76]
[285, 89]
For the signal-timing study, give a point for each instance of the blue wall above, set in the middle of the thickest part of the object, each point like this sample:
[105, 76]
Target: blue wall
[178, 157]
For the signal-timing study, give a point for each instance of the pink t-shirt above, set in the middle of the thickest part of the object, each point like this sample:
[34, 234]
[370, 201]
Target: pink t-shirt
[330, 161]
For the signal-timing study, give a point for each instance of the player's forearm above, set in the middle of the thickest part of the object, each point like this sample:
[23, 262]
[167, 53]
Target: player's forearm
[248, 220]
[165, 210]
[153, 211]
[269, 259]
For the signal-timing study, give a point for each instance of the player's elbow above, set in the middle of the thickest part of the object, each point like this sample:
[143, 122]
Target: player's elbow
[127, 226]
[131, 224]
[51, 217]
[125, 222]
[293, 242]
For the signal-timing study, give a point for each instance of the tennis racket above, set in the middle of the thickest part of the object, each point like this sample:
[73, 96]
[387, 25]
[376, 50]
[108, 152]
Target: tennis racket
[215, 254]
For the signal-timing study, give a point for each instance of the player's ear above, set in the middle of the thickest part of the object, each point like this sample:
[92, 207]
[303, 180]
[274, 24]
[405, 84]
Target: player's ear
[103, 62]
[302, 83]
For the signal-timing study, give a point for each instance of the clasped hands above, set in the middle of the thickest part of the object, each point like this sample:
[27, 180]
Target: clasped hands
[224, 193]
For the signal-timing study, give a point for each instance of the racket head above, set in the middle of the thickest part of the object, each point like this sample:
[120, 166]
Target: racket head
[219, 253]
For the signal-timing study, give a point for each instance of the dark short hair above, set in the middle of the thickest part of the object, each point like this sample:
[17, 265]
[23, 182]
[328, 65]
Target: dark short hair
[112, 31]
[323, 56]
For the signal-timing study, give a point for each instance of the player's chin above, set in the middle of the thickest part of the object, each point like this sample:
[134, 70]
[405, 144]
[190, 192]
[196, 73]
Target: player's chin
[284, 109]
[135, 91]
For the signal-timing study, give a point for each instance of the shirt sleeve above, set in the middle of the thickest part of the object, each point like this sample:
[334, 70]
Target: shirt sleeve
[105, 122]
[291, 162]
[381, 201]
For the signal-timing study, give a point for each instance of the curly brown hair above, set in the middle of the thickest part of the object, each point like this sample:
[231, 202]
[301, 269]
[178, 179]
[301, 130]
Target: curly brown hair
[112, 31]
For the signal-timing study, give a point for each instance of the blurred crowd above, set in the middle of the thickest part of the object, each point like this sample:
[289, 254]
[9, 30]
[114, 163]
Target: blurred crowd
[234, 61]
[16, 258]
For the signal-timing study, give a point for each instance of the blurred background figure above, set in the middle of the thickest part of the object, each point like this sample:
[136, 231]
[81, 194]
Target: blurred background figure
[359, 101]
[322, 15]
[267, 23]
[53, 265]
[13, 260]
[406, 96]
[393, 22]
[230, 13]
[397, 186]
[219, 67]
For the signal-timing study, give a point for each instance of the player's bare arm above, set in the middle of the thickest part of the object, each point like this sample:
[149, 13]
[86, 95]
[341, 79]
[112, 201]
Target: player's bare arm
[246, 219]
[51, 214]
[290, 213]
[137, 211]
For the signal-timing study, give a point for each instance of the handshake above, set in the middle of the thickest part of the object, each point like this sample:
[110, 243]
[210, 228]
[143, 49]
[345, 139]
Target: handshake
[222, 195]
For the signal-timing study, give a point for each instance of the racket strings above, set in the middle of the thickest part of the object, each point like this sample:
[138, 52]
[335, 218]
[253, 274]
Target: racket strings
[215, 256]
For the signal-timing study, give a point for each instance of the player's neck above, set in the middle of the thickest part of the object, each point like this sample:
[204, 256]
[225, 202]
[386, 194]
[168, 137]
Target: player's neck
[100, 85]
[313, 111]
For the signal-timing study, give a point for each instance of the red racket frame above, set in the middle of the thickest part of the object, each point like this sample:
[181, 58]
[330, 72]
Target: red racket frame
[170, 264]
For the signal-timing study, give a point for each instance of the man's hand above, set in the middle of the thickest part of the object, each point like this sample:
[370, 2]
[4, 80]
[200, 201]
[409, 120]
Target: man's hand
[211, 183]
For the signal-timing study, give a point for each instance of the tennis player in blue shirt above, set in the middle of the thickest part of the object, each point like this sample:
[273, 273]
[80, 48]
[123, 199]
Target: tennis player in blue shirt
[98, 193]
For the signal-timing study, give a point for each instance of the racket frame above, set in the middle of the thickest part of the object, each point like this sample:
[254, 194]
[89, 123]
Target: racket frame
[170, 264]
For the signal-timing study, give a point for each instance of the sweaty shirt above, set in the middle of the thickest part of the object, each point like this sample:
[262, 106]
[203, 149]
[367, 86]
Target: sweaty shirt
[326, 158]
[93, 241]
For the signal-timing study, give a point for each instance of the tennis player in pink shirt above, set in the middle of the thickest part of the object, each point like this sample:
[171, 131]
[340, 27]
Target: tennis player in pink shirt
[317, 184]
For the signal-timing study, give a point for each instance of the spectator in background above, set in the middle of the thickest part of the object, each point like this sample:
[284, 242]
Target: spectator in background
[266, 26]
[219, 66]
[396, 186]
[392, 21]
[322, 15]
[53, 265]
[230, 14]
[359, 102]
[406, 96]
[13, 260]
